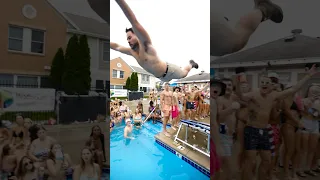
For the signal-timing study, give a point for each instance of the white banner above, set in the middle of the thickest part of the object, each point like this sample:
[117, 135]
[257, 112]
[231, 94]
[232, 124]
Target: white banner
[118, 93]
[26, 99]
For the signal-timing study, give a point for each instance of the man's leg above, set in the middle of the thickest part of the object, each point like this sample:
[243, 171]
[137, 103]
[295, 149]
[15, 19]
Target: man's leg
[176, 72]
[247, 24]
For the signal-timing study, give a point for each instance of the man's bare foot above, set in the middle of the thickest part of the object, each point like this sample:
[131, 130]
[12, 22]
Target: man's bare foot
[194, 64]
[172, 127]
[167, 134]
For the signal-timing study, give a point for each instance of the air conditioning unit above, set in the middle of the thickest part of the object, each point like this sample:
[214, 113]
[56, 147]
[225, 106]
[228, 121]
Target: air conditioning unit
[47, 67]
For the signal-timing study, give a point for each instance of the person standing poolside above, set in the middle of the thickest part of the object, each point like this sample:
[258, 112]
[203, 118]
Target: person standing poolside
[256, 133]
[166, 100]
[143, 51]
[227, 107]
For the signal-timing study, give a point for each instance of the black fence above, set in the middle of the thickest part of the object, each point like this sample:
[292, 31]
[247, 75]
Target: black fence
[135, 95]
[81, 109]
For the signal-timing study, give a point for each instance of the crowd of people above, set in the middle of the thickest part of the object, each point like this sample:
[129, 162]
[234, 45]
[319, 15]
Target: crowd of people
[28, 153]
[276, 122]
[169, 104]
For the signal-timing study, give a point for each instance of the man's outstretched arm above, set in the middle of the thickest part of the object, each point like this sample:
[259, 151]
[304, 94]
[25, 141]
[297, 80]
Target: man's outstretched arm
[141, 33]
[117, 47]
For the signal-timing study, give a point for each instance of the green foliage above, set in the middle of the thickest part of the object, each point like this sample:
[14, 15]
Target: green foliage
[84, 73]
[128, 83]
[57, 69]
[134, 82]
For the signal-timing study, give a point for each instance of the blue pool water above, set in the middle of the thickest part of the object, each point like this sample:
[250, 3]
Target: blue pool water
[143, 158]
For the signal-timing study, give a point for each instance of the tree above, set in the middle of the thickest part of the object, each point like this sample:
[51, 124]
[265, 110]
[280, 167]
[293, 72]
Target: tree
[57, 69]
[70, 82]
[84, 73]
[134, 82]
[128, 83]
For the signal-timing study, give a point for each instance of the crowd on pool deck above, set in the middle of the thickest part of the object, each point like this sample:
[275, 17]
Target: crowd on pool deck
[27, 153]
[171, 103]
[276, 122]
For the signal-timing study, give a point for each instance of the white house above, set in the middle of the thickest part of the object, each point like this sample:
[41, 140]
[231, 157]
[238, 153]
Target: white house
[287, 57]
[146, 80]
[98, 40]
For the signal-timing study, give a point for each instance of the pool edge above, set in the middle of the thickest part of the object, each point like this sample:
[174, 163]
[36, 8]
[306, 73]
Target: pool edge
[197, 166]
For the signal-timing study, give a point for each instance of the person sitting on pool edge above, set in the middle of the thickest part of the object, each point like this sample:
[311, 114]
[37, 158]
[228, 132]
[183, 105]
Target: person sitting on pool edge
[151, 114]
[157, 114]
[137, 118]
[128, 128]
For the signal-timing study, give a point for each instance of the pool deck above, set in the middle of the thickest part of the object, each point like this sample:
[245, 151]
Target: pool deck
[193, 155]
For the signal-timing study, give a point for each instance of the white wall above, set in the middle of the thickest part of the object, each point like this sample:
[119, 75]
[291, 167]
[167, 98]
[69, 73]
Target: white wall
[96, 73]
[151, 84]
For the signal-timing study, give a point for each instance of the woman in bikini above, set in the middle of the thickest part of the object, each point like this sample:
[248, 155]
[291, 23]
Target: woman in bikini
[137, 118]
[59, 165]
[309, 136]
[19, 136]
[87, 170]
[27, 170]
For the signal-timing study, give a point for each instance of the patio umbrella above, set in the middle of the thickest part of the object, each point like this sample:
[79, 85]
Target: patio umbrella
[102, 8]
[173, 84]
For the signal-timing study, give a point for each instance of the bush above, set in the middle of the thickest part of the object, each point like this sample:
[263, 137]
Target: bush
[134, 82]
[57, 69]
[128, 84]
[84, 73]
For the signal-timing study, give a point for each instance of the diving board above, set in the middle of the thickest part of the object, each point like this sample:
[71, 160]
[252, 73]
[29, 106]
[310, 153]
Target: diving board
[201, 127]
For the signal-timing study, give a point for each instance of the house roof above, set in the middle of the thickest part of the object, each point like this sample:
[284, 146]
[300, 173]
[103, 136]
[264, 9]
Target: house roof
[89, 25]
[140, 70]
[292, 47]
[195, 78]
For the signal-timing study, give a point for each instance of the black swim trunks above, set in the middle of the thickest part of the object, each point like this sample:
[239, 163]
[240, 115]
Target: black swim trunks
[256, 139]
[190, 105]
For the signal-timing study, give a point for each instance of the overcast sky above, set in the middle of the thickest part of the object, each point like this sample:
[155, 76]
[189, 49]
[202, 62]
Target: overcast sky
[179, 29]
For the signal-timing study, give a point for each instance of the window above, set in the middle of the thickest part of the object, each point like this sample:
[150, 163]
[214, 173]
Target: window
[114, 73]
[27, 81]
[106, 51]
[37, 41]
[148, 78]
[121, 74]
[15, 38]
[118, 87]
[117, 74]
[111, 86]
[6, 80]
[143, 77]
[26, 40]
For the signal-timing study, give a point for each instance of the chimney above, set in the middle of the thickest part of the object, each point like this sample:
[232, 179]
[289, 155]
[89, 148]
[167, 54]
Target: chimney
[294, 32]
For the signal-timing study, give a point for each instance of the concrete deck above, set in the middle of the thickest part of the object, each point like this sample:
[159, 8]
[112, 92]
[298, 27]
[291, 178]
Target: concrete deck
[194, 155]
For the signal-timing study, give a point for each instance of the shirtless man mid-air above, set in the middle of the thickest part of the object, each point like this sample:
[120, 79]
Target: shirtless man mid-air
[256, 133]
[142, 50]
[166, 100]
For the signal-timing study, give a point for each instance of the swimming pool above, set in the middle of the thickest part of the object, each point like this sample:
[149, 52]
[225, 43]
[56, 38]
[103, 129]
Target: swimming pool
[143, 158]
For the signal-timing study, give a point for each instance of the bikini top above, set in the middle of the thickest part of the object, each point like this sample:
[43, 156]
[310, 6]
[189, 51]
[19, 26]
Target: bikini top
[20, 135]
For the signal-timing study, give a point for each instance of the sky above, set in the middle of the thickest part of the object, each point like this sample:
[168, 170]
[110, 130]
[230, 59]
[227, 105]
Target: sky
[178, 34]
